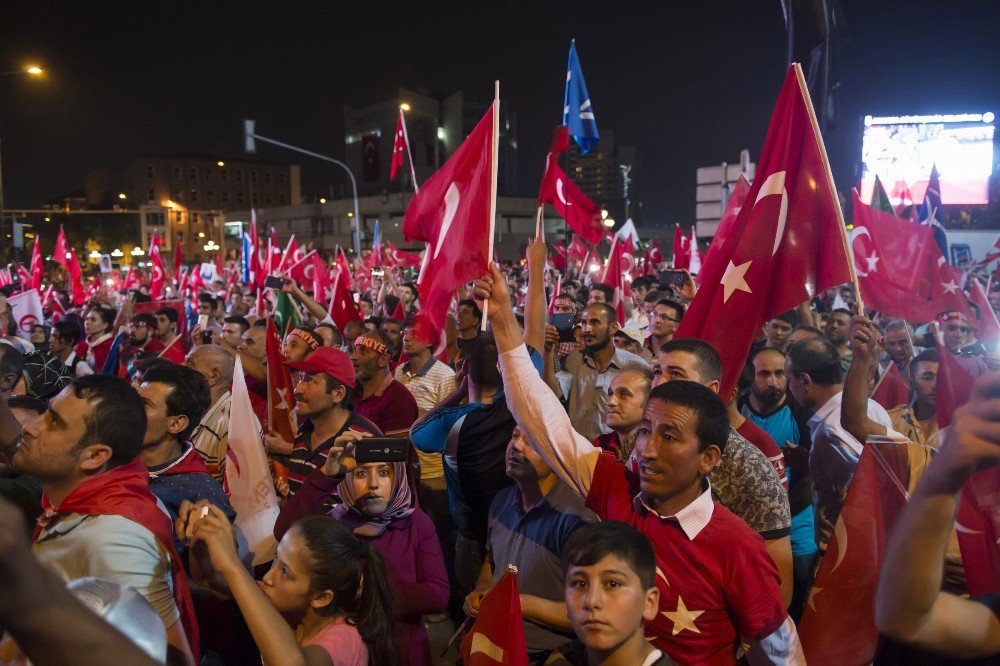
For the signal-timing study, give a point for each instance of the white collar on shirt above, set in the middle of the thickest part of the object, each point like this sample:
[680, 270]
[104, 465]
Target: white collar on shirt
[693, 518]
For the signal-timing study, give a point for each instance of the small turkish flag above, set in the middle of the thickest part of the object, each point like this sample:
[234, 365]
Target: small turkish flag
[345, 269]
[36, 268]
[655, 256]
[370, 157]
[784, 249]
[156, 282]
[577, 252]
[398, 146]
[451, 213]
[891, 391]
[580, 213]
[178, 261]
[682, 249]
[555, 294]
[402, 258]
[497, 636]
[342, 308]
[618, 273]
[280, 392]
[61, 251]
[558, 256]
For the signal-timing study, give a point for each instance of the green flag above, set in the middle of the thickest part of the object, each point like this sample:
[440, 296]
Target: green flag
[286, 315]
[880, 199]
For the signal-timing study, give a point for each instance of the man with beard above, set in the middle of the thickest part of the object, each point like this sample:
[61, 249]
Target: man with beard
[767, 404]
[838, 326]
[593, 369]
[139, 332]
[918, 420]
[380, 398]
[529, 524]
[899, 348]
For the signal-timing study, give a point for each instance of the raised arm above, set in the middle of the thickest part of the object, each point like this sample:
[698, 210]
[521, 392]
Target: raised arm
[854, 412]
[535, 407]
[910, 605]
[292, 289]
[534, 310]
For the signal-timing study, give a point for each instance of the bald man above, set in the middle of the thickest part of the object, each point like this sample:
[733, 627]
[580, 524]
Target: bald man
[211, 437]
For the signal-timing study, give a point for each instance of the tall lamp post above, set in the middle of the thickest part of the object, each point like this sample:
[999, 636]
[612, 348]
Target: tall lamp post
[250, 137]
[31, 71]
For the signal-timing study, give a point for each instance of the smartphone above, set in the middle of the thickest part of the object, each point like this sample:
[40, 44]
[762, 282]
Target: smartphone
[273, 282]
[202, 322]
[564, 322]
[381, 449]
[671, 278]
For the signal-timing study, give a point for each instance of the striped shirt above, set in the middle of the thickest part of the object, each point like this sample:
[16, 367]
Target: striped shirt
[429, 385]
[211, 437]
[305, 457]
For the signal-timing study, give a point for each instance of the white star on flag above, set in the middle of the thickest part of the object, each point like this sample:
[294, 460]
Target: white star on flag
[284, 402]
[683, 618]
[733, 279]
[872, 260]
[949, 286]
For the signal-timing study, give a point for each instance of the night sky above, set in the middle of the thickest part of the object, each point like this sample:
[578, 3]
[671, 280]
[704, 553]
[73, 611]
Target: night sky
[688, 83]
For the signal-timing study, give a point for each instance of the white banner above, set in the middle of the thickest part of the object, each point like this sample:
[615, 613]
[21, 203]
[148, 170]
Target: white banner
[27, 311]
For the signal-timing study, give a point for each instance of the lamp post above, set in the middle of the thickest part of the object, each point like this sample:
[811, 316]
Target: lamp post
[250, 137]
[30, 71]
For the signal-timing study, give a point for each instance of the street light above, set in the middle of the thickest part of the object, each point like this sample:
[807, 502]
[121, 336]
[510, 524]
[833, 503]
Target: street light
[94, 254]
[116, 253]
[211, 246]
[34, 70]
[404, 107]
[220, 163]
[136, 251]
[122, 195]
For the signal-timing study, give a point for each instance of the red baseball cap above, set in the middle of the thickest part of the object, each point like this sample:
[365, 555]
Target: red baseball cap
[330, 361]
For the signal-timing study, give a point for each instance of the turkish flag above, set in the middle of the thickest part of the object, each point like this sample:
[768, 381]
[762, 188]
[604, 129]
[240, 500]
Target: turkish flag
[555, 294]
[370, 158]
[977, 522]
[655, 256]
[158, 279]
[891, 391]
[398, 146]
[23, 276]
[618, 273]
[580, 213]
[736, 199]
[78, 296]
[36, 268]
[320, 276]
[784, 249]
[302, 271]
[280, 391]
[401, 257]
[60, 254]
[577, 252]
[451, 213]
[682, 249]
[131, 281]
[342, 308]
[558, 256]
[838, 624]
[497, 636]
[345, 269]
[178, 261]
[989, 326]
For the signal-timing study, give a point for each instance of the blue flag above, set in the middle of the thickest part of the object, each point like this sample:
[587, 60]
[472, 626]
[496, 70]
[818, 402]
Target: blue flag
[578, 113]
[930, 209]
[246, 258]
[111, 363]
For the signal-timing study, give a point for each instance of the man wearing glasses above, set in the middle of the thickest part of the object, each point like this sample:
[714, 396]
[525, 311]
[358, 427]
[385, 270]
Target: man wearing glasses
[663, 321]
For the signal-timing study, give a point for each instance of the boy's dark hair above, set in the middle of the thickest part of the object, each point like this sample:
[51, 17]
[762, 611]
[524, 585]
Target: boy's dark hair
[926, 356]
[708, 360]
[107, 315]
[190, 396]
[239, 321]
[655, 296]
[818, 358]
[69, 331]
[713, 420]
[591, 543]
[168, 312]
[116, 417]
[609, 293]
[671, 303]
[145, 318]
[473, 305]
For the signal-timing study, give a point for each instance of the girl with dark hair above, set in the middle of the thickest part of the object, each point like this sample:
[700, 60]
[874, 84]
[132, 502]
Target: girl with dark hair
[326, 583]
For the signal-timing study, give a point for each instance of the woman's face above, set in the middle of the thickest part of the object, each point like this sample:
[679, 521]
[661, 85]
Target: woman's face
[37, 335]
[373, 487]
[287, 582]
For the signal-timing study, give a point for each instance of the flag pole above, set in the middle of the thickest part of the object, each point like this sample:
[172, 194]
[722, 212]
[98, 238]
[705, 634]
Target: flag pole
[495, 149]
[540, 222]
[804, 89]
[409, 153]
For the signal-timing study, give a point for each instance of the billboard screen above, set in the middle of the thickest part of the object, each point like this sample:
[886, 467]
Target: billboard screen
[902, 149]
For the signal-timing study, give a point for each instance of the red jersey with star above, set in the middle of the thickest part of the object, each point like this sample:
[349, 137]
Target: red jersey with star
[715, 590]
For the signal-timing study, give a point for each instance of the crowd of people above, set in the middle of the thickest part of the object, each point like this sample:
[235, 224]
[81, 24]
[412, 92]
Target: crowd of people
[650, 518]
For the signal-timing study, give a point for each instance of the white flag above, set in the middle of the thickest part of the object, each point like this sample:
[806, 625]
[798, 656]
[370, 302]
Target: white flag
[248, 475]
[628, 231]
[26, 309]
[694, 267]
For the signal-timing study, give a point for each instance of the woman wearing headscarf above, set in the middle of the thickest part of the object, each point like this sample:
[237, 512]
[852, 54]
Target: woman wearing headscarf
[374, 501]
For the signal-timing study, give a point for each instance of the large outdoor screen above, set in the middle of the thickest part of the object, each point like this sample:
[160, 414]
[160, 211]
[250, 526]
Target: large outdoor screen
[902, 149]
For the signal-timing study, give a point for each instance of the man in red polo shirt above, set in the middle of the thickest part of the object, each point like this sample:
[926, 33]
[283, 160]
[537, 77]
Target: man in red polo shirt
[718, 585]
[380, 398]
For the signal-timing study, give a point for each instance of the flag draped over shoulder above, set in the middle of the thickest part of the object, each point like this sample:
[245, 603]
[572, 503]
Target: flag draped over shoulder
[784, 248]
[452, 214]
[247, 474]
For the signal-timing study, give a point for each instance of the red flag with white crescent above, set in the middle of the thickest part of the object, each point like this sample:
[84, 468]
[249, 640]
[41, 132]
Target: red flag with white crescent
[36, 268]
[580, 213]
[618, 273]
[159, 278]
[60, 254]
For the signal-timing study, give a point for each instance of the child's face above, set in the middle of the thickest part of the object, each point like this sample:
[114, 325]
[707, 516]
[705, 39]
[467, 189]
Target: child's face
[607, 603]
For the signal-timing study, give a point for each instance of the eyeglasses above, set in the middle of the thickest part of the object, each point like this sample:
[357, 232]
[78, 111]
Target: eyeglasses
[657, 315]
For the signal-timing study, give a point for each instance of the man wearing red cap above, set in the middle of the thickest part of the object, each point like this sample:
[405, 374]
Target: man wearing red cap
[323, 403]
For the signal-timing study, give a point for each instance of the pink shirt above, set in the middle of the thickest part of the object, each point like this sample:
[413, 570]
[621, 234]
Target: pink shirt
[343, 643]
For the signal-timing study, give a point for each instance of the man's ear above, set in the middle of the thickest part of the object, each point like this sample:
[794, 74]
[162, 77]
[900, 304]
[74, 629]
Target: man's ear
[177, 424]
[709, 458]
[8, 381]
[94, 458]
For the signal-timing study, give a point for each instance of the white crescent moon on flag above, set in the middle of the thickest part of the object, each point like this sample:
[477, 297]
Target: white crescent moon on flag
[451, 201]
[858, 233]
[308, 271]
[559, 192]
[840, 531]
[157, 273]
[775, 184]
[631, 262]
[959, 527]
